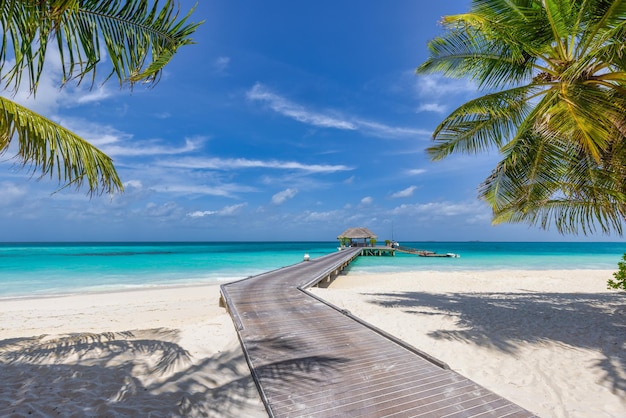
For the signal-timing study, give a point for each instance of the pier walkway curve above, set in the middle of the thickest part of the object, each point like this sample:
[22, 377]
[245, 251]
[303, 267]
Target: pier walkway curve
[311, 359]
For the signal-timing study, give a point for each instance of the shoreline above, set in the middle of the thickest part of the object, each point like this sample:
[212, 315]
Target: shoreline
[172, 351]
[119, 289]
[219, 281]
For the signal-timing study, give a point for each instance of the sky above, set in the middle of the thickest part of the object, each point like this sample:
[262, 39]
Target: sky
[285, 121]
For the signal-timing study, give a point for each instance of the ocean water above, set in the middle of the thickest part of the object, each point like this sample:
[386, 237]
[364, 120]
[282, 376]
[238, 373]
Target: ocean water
[40, 269]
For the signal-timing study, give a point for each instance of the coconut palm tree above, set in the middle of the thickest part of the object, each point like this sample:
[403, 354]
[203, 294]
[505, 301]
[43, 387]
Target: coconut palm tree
[553, 73]
[138, 37]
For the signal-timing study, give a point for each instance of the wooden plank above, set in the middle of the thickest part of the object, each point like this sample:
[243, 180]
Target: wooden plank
[309, 359]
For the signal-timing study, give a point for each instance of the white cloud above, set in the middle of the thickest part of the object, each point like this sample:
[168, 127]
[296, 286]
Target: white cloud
[221, 64]
[225, 211]
[300, 113]
[168, 210]
[441, 209]
[11, 193]
[416, 171]
[386, 131]
[114, 142]
[238, 163]
[281, 197]
[227, 190]
[287, 108]
[80, 96]
[440, 93]
[51, 95]
[330, 216]
[408, 192]
[47, 99]
[202, 214]
[153, 147]
[368, 200]
[437, 86]
[432, 107]
[134, 184]
[232, 209]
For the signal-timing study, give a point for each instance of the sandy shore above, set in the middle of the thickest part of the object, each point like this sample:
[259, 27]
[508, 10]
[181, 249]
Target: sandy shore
[159, 353]
[552, 341]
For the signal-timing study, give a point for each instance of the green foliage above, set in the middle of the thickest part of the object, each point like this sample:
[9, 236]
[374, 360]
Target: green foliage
[620, 276]
[43, 141]
[344, 241]
[554, 72]
[372, 241]
[138, 37]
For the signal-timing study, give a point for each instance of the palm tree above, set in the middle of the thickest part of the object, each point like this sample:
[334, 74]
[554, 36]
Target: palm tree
[138, 37]
[553, 73]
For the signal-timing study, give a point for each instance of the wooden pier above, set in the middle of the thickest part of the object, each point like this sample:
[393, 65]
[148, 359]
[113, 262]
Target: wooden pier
[377, 251]
[311, 359]
[424, 253]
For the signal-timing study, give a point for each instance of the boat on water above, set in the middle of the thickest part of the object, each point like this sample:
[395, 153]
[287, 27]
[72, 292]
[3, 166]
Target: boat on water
[424, 253]
[434, 254]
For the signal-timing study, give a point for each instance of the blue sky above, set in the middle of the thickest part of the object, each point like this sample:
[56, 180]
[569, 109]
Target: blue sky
[285, 121]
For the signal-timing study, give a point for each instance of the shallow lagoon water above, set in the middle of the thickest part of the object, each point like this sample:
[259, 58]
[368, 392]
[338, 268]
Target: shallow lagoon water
[39, 269]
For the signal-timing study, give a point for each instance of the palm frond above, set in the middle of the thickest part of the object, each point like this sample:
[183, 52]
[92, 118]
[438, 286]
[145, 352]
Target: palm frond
[604, 22]
[54, 151]
[584, 114]
[563, 134]
[569, 216]
[497, 44]
[466, 53]
[139, 37]
[483, 123]
[545, 183]
[529, 168]
[561, 18]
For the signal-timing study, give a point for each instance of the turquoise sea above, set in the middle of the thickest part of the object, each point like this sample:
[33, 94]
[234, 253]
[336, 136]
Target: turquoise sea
[40, 269]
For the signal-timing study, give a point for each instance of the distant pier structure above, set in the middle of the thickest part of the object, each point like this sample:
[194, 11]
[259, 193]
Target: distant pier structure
[357, 237]
[364, 238]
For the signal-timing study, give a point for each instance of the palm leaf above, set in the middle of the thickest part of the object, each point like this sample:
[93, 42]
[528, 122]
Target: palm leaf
[483, 123]
[469, 53]
[560, 121]
[139, 38]
[55, 151]
[604, 23]
[492, 44]
[545, 183]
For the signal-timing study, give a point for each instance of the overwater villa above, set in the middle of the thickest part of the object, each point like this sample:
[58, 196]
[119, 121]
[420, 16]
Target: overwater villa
[357, 237]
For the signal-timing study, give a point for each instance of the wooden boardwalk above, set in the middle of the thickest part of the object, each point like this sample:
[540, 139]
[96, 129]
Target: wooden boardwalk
[310, 359]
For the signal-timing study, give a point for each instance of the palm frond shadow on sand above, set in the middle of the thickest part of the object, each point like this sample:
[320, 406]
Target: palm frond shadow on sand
[122, 374]
[502, 320]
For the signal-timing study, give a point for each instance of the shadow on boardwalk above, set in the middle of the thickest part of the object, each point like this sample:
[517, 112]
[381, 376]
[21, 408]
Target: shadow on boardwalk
[293, 373]
[501, 320]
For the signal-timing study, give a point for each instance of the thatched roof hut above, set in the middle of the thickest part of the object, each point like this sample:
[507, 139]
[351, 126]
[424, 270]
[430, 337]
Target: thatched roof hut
[356, 234]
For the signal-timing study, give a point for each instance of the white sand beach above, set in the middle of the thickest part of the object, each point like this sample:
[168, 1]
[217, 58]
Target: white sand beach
[167, 352]
[551, 341]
